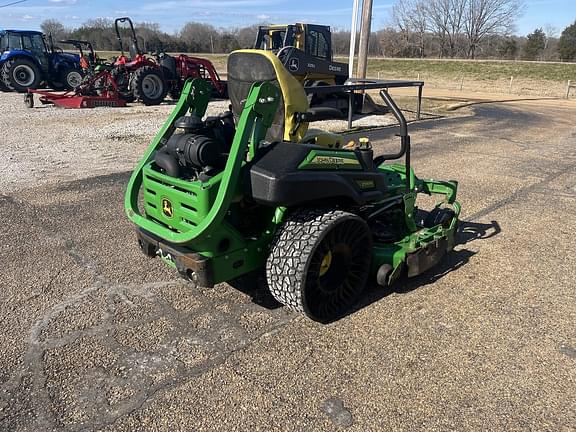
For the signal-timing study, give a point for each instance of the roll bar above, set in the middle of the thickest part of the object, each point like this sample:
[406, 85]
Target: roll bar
[404, 137]
[79, 45]
[119, 38]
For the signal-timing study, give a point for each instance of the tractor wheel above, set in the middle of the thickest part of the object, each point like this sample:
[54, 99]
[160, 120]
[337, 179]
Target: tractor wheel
[29, 100]
[122, 79]
[319, 262]
[4, 78]
[2, 85]
[149, 86]
[21, 74]
[71, 78]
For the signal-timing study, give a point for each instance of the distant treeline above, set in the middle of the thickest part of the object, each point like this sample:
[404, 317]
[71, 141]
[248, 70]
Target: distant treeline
[389, 42]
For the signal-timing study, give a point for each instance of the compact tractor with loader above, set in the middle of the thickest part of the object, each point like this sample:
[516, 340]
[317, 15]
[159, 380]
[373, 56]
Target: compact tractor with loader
[217, 200]
[149, 80]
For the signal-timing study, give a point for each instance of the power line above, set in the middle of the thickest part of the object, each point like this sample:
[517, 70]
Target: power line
[13, 3]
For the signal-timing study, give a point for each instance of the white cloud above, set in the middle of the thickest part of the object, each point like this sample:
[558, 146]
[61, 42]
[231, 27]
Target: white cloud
[177, 4]
[263, 17]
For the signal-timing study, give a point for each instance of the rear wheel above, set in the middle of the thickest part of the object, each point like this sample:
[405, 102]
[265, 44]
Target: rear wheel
[149, 86]
[71, 78]
[2, 85]
[21, 74]
[319, 262]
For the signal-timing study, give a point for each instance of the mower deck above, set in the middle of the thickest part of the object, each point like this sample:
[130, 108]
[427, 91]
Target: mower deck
[98, 90]
[72, 100]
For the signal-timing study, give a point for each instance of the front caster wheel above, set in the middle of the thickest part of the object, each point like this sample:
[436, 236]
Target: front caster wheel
[319, 262]
[29, 100]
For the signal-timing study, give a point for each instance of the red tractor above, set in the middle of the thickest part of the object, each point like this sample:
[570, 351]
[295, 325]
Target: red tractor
[150, 79]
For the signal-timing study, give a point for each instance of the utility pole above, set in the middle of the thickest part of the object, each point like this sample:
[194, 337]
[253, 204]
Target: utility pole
[364, 38]
[353, 31]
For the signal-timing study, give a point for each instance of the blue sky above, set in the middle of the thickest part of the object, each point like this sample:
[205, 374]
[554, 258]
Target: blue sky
[172, 14]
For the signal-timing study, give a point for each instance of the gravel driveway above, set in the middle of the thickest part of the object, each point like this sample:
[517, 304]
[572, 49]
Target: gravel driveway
[95, 337]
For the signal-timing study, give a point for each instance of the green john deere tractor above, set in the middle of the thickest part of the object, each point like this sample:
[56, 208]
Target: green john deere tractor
[218, 199]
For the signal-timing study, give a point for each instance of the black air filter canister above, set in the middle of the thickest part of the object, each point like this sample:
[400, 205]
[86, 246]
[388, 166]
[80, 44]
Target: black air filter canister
[197, 151]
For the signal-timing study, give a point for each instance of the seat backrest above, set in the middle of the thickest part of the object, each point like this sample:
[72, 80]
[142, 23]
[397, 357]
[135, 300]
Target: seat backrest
[246, 67]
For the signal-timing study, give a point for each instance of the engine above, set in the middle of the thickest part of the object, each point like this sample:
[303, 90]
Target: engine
[198, 149]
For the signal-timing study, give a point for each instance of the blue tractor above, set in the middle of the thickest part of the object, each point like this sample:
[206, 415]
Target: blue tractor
[28, 60]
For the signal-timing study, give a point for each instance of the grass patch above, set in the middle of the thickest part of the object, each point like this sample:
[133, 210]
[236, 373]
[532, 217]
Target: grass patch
[477, 70]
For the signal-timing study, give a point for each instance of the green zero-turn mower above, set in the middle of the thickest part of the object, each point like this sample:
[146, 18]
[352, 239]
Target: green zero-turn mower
[254, 189]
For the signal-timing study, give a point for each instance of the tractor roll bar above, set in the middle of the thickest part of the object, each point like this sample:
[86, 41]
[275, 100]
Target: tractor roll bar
[80, 45]
[404, 137]
[396, 111]
[119, 38]
[357, 84]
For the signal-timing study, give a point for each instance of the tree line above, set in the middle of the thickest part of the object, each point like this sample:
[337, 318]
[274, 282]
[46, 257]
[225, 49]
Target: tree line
[193, 37]
[471, 29]
[417, 28]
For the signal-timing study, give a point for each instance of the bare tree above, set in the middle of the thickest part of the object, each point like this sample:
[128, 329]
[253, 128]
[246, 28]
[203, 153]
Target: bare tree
[447, 21]
[392, 43]
[99, 23]
[200, 37]
[53, 27]
[550, 51]
[246, 36]
[148, 36]
[410, 16]
[489, 17]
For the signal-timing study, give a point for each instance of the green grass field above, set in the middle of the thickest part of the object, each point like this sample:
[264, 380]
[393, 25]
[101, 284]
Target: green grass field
[478, 69]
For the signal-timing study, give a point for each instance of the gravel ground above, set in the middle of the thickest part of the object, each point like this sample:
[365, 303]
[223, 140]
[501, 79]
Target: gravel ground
[96, 337]
[53, 143]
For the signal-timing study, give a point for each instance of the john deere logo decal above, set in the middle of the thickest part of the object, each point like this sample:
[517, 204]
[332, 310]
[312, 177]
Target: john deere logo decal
[294, 65]
[167, 208]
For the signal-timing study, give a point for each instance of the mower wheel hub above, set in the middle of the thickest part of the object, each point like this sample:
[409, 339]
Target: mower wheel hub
[326, 261]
